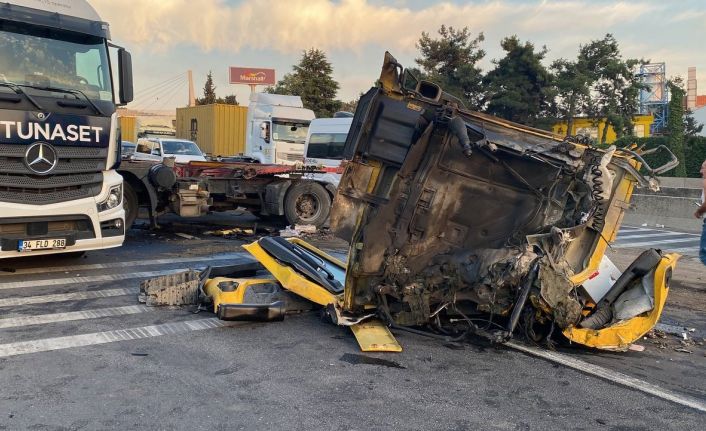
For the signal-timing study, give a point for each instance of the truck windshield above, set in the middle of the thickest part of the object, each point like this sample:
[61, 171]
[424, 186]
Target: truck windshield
[326, 146]
[43, 58]
[289, 131]
[181, 148]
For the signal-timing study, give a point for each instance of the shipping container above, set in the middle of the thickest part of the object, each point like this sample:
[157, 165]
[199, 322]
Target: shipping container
[218, 129]
[128, 128]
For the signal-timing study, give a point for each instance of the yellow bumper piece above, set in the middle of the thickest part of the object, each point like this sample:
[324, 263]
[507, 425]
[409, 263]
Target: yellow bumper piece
[619, 336]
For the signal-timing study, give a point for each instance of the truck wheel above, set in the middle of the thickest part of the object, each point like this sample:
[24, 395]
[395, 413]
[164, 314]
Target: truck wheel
[307, 202]
[130, 205]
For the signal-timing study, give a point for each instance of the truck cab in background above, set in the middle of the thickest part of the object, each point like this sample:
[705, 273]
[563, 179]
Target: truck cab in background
[277, 126]
[59, 144]
[324, 147]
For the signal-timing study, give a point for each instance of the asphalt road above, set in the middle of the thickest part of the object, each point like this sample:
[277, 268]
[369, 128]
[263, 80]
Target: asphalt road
[77, 351]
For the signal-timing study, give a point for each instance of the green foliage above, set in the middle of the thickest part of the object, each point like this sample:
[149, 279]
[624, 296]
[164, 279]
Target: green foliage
[228, 100]
[675, 126]
[694, 153]
[572, 82]
[209, 91]
[691, 127]
[615, 87]
[312, 80]
[519, 88]
[450, 61]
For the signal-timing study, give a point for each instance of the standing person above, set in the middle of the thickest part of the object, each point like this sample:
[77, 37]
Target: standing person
[700, 213]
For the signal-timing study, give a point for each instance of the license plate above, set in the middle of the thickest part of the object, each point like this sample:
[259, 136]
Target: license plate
[42, 244]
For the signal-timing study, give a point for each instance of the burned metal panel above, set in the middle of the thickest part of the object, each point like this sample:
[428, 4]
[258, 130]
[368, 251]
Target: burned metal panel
[453, 213]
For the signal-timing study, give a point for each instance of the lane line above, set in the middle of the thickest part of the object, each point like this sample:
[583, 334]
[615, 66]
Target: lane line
[87, 279]
[666, 237]
[15, 322]
[128, 264]
[650, 243]
[643, 235]
[82, 340]
[103, 278]
[610, 376]
[63, 297]
[687, 250]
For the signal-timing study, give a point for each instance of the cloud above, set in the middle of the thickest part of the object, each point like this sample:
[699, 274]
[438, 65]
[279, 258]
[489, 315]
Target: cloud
[292, 25]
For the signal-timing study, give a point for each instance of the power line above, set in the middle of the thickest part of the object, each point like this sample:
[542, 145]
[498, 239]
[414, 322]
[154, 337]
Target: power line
[156, 91]
[165, 104]
[166, 92]
[144, 90]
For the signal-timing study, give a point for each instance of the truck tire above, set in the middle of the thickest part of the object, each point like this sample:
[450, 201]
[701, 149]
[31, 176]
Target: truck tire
[130, 205]
[307, 202]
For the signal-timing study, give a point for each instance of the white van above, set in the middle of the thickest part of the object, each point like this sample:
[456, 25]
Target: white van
[324, 147]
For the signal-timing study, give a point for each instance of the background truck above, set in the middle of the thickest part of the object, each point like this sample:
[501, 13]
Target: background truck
[59, 146]
[324, 147]
[193, 189]
[277, 126]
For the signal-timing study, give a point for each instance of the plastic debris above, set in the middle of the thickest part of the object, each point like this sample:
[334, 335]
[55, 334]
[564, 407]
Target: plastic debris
[185, 235]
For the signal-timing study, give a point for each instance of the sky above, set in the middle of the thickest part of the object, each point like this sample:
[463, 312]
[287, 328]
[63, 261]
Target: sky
[169, 37]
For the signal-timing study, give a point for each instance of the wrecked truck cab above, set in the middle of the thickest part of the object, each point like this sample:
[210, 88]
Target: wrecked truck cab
[460, 221]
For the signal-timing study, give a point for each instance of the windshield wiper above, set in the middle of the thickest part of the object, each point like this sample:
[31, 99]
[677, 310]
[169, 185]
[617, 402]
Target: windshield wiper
[75, 92]
[19, 90]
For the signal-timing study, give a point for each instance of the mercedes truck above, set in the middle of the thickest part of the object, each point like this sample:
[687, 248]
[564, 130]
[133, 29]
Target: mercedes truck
[59, 143]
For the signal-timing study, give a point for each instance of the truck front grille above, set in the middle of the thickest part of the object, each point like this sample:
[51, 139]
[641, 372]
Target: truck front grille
[78, 174]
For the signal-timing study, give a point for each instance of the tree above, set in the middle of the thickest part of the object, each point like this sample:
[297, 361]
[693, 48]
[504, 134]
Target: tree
[691, 127]
[519, 88]
[228, 100]
[675, 125]
[312, 80]
[615, 87]
[209, 91]
[572, 82]
[450, 61]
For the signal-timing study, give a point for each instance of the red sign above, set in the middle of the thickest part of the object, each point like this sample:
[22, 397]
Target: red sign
[249, 75]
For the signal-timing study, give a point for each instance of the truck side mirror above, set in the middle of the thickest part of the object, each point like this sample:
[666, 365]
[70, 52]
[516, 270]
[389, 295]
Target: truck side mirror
[125, 76]
[265, 131]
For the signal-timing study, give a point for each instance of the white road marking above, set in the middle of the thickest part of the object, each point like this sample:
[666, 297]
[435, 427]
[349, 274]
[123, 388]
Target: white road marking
[128, 264]
[610, 375]
[15, 322]
[650, 243]
[686, 250]
[649, 235]
[87, 279]
[63, 297]
[72, 341]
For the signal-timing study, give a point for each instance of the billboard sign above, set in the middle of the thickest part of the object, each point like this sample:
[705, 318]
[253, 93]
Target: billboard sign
[252, 76]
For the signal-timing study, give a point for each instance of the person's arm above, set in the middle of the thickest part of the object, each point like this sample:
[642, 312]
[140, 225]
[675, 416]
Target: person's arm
[702, 209]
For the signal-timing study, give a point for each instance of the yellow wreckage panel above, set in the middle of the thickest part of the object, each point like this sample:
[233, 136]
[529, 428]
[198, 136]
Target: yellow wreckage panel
[218, 296]
[374, 336]
[620, 335]
[291, 279]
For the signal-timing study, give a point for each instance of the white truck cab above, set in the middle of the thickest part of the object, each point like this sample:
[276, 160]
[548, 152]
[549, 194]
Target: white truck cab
[277, 128]
[59, 149]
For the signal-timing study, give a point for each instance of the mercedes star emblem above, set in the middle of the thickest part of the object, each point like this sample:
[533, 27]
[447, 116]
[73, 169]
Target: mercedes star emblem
[41, 158]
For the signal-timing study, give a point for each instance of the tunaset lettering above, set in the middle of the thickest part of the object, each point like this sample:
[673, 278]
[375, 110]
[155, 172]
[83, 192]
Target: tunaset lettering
[36, 132]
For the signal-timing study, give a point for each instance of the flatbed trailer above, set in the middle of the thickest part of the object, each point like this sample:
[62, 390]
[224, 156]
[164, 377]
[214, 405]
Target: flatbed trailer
[194, 189]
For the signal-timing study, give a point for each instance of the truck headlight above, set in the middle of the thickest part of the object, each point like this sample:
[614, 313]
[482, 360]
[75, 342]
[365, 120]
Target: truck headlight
[114, 199]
